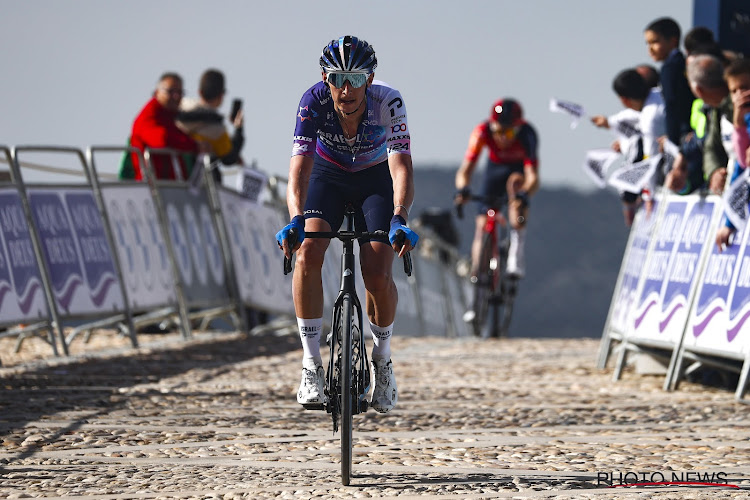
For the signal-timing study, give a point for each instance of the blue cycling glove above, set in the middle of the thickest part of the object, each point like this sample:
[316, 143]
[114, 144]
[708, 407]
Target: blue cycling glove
[398, 222]
[298, 223]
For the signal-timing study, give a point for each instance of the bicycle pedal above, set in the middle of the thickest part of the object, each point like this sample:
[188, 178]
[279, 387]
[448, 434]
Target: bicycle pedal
[313, 406]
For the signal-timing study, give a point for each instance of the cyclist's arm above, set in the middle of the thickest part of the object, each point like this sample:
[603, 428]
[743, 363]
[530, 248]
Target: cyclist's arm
[530, 179]
[300, 168]
[476, 144]
[402, 174]
[463, 176]
[530, 142]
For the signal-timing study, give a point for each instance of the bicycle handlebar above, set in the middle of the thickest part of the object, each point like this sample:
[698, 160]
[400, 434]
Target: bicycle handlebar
[347, 236]
[493, 201]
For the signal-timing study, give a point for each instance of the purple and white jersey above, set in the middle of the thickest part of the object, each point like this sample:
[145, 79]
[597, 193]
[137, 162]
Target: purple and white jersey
[383, 131]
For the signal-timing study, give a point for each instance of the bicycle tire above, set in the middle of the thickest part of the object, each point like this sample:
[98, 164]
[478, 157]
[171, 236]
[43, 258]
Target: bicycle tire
[484, 287]
[509, 297]
[347, 307]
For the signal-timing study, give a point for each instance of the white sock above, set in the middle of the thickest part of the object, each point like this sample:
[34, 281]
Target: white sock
[309, 334]
[381, 337]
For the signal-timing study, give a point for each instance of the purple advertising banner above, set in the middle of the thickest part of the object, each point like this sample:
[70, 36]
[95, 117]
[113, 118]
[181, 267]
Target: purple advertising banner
[632, 269]
[75, 248]
[21, 289]
[96, 255]
[711, 311]
[739, 303]
[667, 237]
[684, 266]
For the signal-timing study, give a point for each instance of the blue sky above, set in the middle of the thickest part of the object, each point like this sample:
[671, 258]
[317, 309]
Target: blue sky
[77, 73]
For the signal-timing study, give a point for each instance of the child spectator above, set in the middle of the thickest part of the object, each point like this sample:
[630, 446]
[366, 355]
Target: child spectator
[663, 40]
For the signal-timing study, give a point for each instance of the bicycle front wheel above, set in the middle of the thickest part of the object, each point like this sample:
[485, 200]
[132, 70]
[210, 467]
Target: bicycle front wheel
[347, 332]
[484, 288]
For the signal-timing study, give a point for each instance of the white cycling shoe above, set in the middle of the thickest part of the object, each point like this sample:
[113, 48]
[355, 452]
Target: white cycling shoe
[385, 392]
[312, 388]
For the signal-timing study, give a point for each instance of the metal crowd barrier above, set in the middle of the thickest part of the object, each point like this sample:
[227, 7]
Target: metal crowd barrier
[678, 297]
[95, 252]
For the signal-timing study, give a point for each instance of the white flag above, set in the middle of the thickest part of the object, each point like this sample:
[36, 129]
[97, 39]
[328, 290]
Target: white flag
[736, 199]
[634, 176]
[571, 108]
[598, 162]
[250, 183]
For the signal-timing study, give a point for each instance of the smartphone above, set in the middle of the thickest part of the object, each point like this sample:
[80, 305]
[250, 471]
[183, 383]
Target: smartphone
[236, 107]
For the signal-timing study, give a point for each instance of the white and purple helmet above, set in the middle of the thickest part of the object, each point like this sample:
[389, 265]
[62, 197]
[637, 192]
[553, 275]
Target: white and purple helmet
[348, 53]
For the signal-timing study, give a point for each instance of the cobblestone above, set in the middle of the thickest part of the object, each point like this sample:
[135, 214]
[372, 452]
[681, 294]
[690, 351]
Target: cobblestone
[216, 417]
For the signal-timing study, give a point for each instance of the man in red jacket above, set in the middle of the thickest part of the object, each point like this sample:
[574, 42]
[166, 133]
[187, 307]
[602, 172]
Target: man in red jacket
[155, 127]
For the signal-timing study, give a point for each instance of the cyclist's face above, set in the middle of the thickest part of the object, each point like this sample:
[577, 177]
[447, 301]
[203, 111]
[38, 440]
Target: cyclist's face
[503, 135]
[347, 98]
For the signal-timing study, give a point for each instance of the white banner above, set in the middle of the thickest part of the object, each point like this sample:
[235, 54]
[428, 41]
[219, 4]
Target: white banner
[598, 162]
[142, 252]
[735, 200]
[634, 176]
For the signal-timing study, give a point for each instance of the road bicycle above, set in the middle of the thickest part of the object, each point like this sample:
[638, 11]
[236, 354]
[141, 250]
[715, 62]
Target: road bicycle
[493, 291]
[348, 375]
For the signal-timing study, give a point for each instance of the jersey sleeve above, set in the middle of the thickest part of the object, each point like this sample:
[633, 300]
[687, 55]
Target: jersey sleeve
[530, 142]
[476, 144]
[393, 115]
[305, 129]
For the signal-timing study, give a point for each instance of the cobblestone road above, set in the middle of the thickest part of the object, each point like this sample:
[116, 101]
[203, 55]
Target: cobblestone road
[216, 418]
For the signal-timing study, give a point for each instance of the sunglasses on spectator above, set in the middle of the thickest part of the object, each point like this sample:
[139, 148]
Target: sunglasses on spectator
[172, 91]
[356, 80]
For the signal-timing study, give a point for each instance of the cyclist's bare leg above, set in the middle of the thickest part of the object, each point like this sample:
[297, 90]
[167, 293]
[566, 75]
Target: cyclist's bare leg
[376, 262]
[516, 213]
[476, 245]
[307, 288]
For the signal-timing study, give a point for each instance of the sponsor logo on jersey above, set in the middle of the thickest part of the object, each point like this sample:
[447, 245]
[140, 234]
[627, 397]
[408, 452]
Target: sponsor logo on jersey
[302, 138]
[300, 148]
[397, 119]
[306, 114]
[401, 146]
[398, 128]
[399, 138]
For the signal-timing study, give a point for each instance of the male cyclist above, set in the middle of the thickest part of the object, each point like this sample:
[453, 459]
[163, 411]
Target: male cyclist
[351, 145]
[511, 170]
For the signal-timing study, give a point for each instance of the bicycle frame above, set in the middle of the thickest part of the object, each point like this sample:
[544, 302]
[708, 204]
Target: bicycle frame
[493, 292]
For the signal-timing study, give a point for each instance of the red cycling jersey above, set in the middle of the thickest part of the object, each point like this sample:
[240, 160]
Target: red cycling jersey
[521, 152]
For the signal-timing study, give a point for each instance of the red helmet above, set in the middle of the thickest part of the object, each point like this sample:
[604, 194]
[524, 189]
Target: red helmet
[507, 112]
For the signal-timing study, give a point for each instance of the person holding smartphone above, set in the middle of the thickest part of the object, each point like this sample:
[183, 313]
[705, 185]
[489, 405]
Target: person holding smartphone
[201, 119]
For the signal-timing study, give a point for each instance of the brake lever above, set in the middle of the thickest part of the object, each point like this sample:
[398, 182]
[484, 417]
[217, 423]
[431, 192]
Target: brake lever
[291, 241]
[400, 238]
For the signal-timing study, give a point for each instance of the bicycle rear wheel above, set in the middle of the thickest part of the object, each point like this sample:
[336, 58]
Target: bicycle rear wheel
[509, 296]
[484, 288]
[347, 332]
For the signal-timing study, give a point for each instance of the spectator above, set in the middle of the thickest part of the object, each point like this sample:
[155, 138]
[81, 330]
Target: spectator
[647, 107]
[706, 77]
[698, 37]
[737, 76]
[201, 119]
[155, 127]
[625, 122]
[650, 74]
[663, 40]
